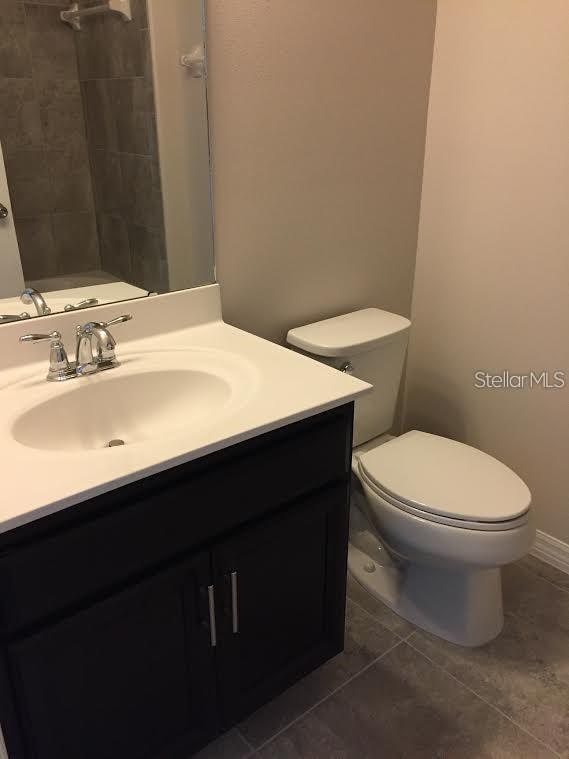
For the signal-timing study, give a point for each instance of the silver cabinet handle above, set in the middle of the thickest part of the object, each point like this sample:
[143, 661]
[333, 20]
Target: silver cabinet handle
[234, 603]
[3, 211]
[212, 625]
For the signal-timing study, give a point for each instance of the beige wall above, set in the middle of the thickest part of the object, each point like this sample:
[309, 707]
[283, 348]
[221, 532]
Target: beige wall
[492, 279]
[318, 111]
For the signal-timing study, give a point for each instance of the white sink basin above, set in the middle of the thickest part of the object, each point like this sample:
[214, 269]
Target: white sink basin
[145, 399]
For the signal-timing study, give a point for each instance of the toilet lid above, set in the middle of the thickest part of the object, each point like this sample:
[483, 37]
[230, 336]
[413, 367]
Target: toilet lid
[446, 478]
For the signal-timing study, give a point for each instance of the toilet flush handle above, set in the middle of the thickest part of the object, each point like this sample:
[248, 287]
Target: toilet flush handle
[347, 368]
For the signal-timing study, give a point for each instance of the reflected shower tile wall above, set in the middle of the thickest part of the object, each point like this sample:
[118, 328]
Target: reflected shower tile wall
[118, 96]
[81, 156]
[42, 129]
[14, 56]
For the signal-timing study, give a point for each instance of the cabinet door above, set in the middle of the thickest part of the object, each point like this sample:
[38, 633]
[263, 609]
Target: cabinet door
[280, 588]
[129, 677]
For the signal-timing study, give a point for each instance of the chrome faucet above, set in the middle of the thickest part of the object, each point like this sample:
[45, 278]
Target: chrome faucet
[96, 346]
[95, 350]
[31, 295]
[7, 318]
[59, 367]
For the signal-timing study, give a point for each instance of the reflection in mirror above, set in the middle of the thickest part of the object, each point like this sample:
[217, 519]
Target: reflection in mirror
[104, 159]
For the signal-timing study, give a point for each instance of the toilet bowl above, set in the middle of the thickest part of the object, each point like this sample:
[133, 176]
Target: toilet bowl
[432, 520]
[448, 533]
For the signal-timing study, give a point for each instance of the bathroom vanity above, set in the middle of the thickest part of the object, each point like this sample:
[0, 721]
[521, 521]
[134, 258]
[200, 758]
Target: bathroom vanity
[173, 514]
[161, 603]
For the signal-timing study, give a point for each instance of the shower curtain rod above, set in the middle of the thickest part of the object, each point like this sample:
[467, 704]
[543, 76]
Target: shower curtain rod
[75, 13]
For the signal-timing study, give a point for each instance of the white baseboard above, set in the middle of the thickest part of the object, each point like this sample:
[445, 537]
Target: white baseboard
[551, 550]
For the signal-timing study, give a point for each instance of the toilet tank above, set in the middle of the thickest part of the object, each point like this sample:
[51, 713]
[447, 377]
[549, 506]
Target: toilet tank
[374, 343]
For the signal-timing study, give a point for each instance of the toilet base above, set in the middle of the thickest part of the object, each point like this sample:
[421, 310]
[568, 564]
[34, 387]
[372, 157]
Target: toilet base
[463, 606]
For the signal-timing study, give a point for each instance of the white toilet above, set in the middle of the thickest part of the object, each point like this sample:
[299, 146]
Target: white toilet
[432, 520]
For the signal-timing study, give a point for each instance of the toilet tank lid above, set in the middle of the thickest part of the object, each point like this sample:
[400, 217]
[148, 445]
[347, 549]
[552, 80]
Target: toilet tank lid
[349, 334]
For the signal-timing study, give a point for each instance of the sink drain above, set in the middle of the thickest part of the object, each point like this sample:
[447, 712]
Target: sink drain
[115, 443]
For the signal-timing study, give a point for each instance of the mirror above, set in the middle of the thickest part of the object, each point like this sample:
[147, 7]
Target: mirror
[104, 154]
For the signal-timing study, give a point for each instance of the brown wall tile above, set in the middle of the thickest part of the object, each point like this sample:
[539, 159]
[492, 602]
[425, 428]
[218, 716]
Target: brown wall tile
[14, 56]
[133, 107]
[115, 246]
[107, 181]
[28, 182]
[148, 258]
[139, 14]
[143, 202]
[76, 242]
[62, 115]
[70, 177]
[37, 247]
[51, 43]
[20, 125]
[120, 115]
[100, 119]
[109, 47]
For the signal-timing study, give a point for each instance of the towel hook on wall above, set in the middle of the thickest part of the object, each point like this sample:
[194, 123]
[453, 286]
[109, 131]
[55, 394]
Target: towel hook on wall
[195, 62]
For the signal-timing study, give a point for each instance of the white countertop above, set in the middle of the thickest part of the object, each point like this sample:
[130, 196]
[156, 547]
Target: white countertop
[282, 387]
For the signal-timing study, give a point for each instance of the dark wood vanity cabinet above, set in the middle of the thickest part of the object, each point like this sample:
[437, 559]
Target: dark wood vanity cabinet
[142, 623]
[130, 675]
[286, 615]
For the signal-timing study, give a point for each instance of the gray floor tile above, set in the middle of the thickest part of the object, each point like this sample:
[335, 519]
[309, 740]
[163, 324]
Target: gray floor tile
[540, 568]
[366, 639]
[229, 746]
[359, 595]
[404, 706]
[525, 671]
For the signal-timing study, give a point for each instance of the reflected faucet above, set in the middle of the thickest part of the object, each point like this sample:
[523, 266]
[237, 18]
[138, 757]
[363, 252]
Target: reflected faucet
[7, 318]
[31, 295]
[82, 304]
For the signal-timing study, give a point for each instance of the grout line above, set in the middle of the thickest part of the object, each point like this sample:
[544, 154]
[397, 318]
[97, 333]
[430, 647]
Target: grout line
[541, 577]
[481, 698]
[126, 77]
[249, 745]
[375, 619]
[380, 622]
[329, 695]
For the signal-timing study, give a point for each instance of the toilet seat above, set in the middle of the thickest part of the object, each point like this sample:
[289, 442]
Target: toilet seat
[444, 481]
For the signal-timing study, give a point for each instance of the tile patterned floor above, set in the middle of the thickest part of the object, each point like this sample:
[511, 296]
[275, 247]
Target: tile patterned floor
[397, 692]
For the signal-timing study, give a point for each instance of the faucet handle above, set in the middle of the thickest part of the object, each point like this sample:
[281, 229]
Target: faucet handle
[59, 367]
[82, 329]
[82, 304]
[118, 320]
[54, 336]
